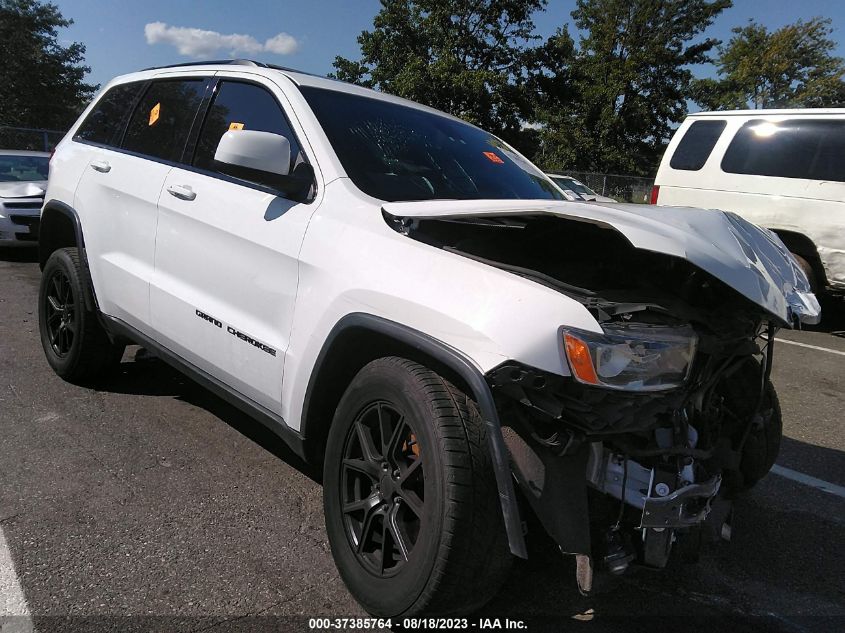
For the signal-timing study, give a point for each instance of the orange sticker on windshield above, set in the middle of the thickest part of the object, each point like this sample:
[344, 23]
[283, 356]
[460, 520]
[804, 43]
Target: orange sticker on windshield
[234, 125]
[154, 113]
[493, 158]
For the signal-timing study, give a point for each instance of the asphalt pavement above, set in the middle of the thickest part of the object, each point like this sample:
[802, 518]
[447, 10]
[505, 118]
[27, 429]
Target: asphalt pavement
[149, 503]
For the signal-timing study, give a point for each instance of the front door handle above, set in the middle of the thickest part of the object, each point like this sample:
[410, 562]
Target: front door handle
[101, 165]
[183, 192]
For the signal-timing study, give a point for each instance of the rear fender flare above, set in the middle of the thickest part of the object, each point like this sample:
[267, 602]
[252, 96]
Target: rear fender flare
[47, 244]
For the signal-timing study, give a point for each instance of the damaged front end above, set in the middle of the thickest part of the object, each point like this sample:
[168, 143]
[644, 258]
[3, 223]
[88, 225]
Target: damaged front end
[667, 413]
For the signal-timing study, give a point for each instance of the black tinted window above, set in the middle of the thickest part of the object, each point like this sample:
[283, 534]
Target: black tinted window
[162, 120]
[105, 122]
[697, 143]
[243, 107]
[799, 148]
[395, 152]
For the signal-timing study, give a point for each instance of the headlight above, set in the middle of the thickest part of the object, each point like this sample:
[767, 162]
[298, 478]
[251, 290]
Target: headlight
[633, 357]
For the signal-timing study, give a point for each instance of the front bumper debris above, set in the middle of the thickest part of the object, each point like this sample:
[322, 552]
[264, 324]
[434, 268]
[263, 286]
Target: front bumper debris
[675, 510]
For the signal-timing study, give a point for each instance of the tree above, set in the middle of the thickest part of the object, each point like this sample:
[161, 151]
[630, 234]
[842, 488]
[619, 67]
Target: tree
[789, 67]
[41, 81]
[466, 57]
[617, 105]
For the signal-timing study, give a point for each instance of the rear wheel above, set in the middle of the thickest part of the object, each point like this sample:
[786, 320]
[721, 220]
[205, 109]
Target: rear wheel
[411, 503]
[75, 343]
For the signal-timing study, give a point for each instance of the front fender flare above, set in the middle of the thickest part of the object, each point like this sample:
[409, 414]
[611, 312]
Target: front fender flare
[462, 366]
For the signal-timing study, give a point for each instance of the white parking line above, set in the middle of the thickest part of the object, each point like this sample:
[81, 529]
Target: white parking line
[14, 613]
[801, 478]
[816, 347]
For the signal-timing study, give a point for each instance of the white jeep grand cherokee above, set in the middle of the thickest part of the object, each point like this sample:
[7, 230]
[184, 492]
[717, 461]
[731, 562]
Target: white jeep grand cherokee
[408, 302]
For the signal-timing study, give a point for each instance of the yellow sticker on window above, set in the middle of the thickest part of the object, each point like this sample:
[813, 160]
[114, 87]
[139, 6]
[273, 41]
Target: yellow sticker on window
[154, 113]
[234, 125]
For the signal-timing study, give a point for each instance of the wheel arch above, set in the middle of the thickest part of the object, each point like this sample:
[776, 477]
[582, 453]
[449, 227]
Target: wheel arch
[61, 228]
[802, 245]
[359, 338]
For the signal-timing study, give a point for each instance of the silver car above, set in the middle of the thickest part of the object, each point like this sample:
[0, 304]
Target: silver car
[568, 183]
[23, 180]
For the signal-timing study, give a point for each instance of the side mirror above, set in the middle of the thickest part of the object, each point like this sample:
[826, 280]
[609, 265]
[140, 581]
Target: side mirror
[263, 158]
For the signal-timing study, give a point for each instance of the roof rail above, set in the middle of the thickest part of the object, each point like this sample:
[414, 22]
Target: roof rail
[210, 62]
[233, 62]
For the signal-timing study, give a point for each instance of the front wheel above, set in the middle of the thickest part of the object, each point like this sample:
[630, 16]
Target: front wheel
[411, 504]
[75, 343]
[808, 271]
[741, 393]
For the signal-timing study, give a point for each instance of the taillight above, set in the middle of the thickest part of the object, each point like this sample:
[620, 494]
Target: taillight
[655, 191]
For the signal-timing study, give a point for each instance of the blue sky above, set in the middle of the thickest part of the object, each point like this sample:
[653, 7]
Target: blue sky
[312, 31]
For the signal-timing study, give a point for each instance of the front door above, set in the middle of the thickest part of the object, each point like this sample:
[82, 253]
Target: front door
[226, 266]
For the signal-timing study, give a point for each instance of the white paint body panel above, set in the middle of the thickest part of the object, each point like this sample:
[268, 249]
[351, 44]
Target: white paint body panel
[812, 208]
[231, 253]
[352, 261]
[120, 211]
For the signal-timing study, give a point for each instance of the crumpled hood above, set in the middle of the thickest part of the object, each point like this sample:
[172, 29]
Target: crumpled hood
[750, 259]
[23, 189]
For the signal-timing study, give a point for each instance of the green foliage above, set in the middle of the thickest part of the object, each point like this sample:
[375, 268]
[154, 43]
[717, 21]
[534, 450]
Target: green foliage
[609, 103]
[466, 57]
[790, 67]
[41, 81]
[615, 108]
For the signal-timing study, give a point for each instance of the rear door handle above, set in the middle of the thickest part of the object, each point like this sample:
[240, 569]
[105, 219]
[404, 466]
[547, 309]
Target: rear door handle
[183, 192]
[101, 166]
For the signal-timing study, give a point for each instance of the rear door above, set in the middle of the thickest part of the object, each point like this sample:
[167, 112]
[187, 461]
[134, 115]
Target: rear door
[119, 191]
[227, 252]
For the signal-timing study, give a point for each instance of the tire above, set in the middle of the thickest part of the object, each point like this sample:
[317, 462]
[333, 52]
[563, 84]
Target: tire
[762, 446]
[448, 517]
[808, 271]
[76, 345]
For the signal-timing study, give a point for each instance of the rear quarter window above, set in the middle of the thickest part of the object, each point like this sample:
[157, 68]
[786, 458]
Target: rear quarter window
[696, 145]
[797, 148]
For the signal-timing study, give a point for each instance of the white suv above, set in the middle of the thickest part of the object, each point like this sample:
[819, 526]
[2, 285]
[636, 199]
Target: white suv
[781, 169]
[408, 302]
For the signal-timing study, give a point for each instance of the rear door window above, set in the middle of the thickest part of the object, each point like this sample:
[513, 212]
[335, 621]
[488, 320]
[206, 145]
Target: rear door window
[163, 118]
[696, 144]
[798, 148]
[241, 106]
[105, 122]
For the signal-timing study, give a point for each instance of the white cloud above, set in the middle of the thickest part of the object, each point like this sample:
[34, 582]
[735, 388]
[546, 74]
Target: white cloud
[282, 44]
[200, 43]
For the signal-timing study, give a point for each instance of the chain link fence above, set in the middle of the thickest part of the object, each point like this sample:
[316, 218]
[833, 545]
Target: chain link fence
[616, 186]
[26, 138]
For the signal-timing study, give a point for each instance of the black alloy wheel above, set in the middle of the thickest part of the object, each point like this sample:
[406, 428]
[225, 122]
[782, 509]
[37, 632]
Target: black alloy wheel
[383, 488]
[60, 313]
[75, 343]
[412, 509]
